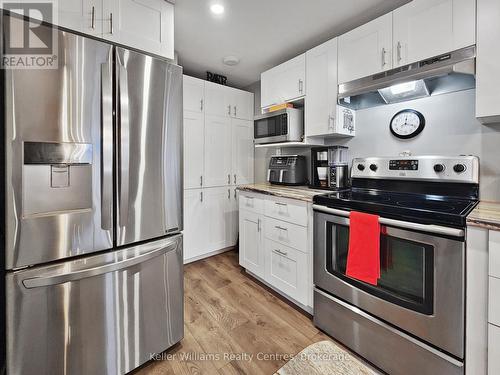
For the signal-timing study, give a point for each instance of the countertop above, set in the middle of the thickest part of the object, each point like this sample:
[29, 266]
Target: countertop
[486, 215]
[301, 193]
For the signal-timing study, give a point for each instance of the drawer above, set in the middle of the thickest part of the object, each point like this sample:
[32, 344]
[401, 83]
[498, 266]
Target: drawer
[287, 270]
[493, 350]
[494, 300]
[287, 234]
[283, 209]
[251, 202]
[494, 253]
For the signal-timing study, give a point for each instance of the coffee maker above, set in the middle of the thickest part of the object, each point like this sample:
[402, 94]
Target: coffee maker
[329, 168]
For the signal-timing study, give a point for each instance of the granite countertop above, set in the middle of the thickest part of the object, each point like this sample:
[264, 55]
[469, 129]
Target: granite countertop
[486, 215]
[301, 193]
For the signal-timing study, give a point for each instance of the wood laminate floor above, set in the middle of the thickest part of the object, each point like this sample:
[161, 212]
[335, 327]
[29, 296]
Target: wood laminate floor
[231, 322]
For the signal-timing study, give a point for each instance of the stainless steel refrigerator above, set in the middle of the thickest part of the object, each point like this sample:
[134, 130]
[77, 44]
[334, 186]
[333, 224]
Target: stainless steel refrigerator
[93, 210]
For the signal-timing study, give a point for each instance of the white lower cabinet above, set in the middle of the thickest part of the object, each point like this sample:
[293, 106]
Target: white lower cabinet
[493, 350]
[210, 221]
[285, 270]
[278, 251]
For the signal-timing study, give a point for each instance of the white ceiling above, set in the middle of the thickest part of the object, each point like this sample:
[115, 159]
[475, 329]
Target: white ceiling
[262, 33]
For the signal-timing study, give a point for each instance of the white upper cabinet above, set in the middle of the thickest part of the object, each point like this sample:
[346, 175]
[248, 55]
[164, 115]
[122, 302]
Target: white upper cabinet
[427, 28]
[216, 102]
[194, 156]
[284, 82]
[218, 165]
[242, 104]
[321, 99]
[487, 62]
[242, 152]
[82, 15]
[193, 94]
[147, 25]
[366, 50]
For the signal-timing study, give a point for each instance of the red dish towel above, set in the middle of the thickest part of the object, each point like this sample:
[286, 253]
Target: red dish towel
[363, 257]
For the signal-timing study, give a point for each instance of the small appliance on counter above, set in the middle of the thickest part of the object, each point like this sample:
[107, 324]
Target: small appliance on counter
[287, 170]
[329, 168]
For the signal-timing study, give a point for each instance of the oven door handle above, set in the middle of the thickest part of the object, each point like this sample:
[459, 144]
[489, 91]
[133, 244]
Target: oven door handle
[429, 228]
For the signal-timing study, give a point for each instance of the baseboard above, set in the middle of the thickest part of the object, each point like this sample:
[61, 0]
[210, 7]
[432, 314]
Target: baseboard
[208, 255]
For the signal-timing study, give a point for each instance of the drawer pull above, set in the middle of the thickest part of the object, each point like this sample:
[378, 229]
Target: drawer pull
[280, 228]
[280, 204]
[284, 253]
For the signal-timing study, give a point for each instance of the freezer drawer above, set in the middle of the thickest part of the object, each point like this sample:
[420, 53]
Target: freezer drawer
[103, 314]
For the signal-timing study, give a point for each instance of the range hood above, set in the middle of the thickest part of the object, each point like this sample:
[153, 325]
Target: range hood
[442, 74]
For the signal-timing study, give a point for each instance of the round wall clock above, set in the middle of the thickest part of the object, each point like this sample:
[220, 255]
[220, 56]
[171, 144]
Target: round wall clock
[407, 123]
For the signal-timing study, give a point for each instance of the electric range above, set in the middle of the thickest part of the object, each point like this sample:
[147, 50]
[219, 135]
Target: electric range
[417, 308]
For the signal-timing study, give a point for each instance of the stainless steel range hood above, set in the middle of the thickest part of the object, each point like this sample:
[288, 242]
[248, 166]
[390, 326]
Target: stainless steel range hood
[442, 74]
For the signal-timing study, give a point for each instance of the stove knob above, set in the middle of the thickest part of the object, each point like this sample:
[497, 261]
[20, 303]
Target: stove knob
[373, 167]
[361, 167]
[459, 168]
[438, 168]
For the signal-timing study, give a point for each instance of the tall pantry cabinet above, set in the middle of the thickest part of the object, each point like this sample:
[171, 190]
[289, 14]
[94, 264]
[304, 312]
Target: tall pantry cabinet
[218, 156]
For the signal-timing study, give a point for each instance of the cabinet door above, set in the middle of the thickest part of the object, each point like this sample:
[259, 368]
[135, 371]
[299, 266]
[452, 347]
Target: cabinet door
[427, 28]
[217, 151]
[194, 144]
[217, 100]
[321, 99]
[243, 152]
[147, 25]
[366, 50]
[251, 249]
[84, 16]
[195, 224]
[193, 94]
[284, 82]
[242, 105]
[217, 201]
[234, 217]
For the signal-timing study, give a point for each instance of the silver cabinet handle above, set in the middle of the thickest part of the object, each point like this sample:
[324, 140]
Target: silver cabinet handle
[201, 196]
[107, 143]
[201, 105]
[235, 111]
[229, 194]
[331, 122]
[229, 109]
[229, 179]
[280, 204]
[399, 52]
[281, 252]
[111, 23]
[235, 194]
[92, 18]
[37, 282]
[258, 225]
[235, 178]
[201, 180]
[124, 143]
[383, 57]
[301, 86]
[281, 228]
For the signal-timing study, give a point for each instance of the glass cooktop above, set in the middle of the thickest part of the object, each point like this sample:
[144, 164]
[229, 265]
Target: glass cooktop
[427, 209]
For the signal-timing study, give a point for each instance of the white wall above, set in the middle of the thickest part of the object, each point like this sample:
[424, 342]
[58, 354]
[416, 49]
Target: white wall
[451, 129]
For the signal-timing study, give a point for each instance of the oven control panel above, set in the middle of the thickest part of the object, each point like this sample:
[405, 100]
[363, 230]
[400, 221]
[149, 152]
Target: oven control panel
[464, 169]
[403, 165]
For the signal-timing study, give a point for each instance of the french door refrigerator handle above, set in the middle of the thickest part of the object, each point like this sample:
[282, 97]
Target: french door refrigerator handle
[107, 143]
[429, 228]
[124, 144]
[56, 279]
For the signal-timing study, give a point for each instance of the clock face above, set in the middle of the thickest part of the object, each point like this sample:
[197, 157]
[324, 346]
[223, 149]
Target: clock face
[407, 124]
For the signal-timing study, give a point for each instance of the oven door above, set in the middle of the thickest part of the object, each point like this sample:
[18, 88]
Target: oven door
[421, 288]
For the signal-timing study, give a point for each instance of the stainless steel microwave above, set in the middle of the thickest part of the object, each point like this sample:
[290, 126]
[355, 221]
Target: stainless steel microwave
[286, 125]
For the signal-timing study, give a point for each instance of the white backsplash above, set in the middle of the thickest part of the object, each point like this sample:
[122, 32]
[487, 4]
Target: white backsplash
[451, 129]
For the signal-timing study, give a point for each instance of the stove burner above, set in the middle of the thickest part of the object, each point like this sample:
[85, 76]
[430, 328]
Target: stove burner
[427, 205]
